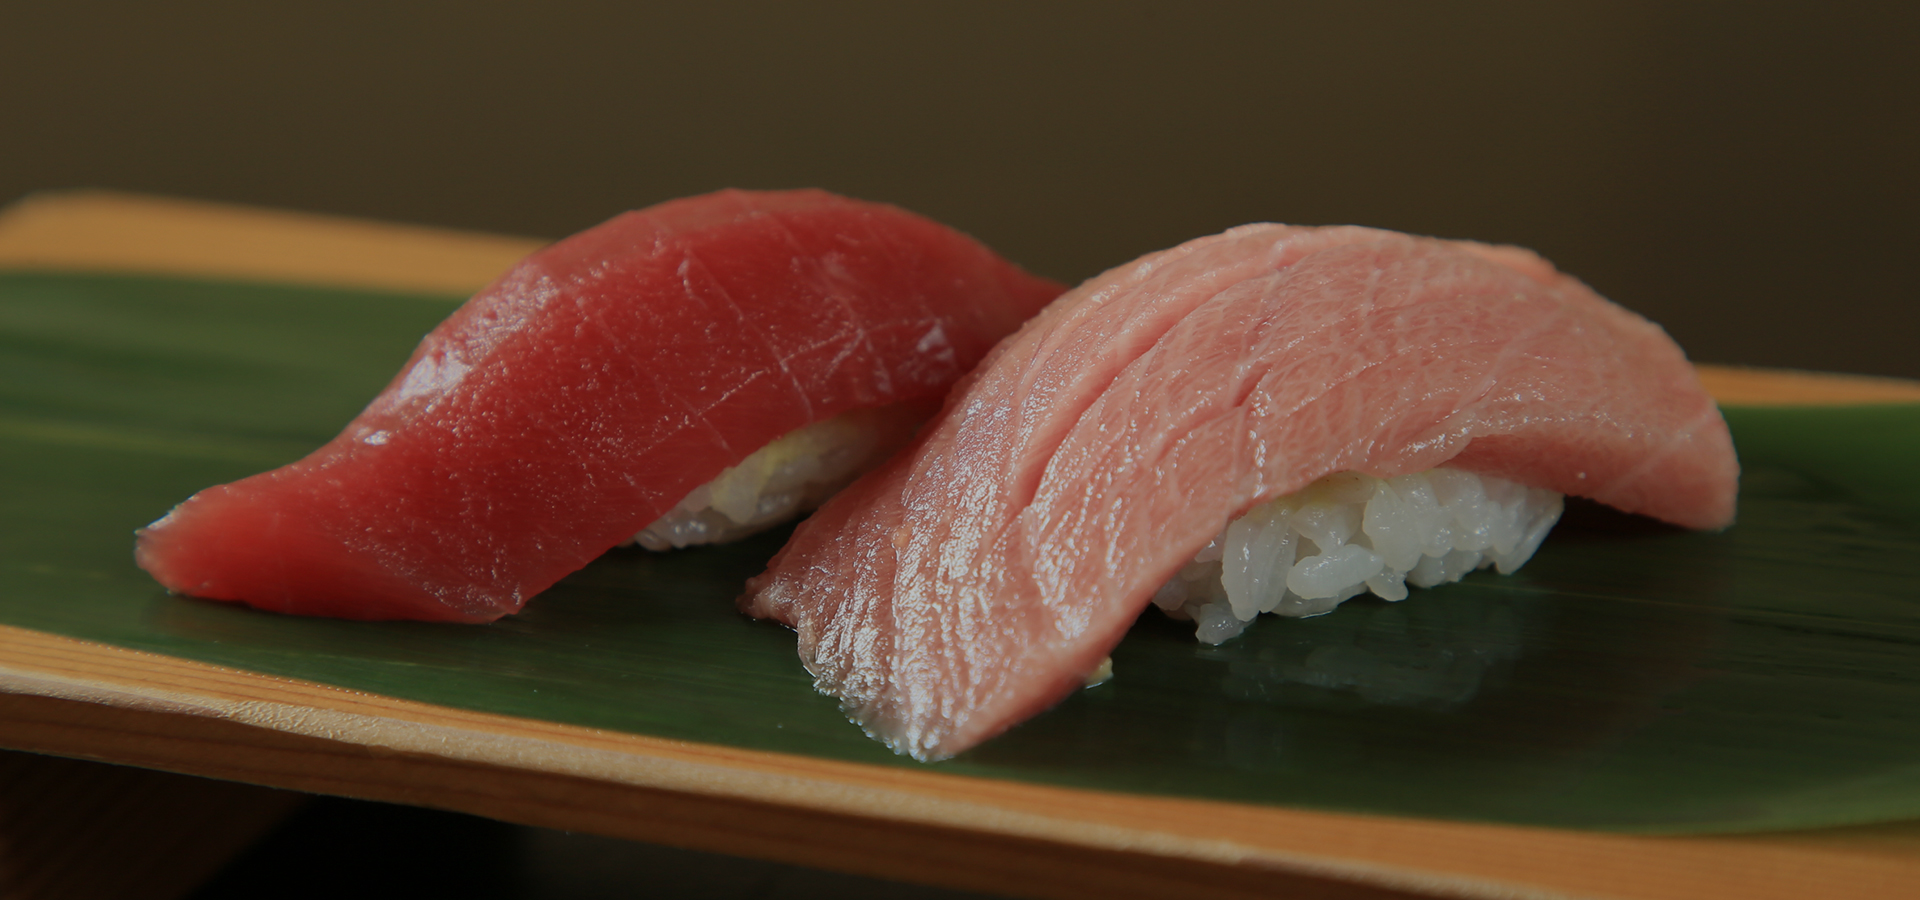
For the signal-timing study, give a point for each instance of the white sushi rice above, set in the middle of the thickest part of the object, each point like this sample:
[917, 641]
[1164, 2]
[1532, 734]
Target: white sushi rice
[789, 476]
[1305, 553]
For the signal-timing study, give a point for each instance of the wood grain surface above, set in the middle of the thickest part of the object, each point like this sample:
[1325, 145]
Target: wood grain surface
[76, 698]
[80, 699]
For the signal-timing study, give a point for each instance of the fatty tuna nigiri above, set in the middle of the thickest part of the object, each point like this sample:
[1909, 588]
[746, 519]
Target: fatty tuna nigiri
[580, 399]
[1186, 403]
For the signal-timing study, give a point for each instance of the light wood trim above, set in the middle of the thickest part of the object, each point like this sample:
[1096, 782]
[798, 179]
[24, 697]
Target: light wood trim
[912, 824]
[111, 232]
[1741, 385]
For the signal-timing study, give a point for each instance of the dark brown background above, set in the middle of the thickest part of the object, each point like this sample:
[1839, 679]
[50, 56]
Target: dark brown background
[1744, 173]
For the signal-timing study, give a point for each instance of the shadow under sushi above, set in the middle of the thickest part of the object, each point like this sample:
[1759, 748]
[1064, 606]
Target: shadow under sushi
[1633, 677]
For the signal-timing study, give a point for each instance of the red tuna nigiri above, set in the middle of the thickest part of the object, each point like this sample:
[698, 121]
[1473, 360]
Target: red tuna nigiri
[582, 395]
[980, 577]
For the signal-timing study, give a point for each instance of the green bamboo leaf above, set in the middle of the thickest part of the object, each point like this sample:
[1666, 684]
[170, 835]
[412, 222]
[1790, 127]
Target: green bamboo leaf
[1632, 677]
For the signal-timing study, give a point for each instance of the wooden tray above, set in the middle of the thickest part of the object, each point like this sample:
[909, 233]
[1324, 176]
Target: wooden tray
[93, 700]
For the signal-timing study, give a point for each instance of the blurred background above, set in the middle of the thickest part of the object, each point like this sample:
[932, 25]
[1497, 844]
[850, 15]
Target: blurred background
[1744, 174]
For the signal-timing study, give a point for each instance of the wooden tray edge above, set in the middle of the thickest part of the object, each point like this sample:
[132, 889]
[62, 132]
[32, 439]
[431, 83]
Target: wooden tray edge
[130, 233]
[541, 773]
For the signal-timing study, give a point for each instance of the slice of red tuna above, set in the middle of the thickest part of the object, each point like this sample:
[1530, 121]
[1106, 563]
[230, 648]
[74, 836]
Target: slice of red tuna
[979, 577]
[593, 386]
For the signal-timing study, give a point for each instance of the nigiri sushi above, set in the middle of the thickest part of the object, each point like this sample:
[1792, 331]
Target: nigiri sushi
[1308, 411]
[678, 374]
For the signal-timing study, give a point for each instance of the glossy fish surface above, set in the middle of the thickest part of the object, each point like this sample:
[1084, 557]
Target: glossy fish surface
[587, 391]
[978, 578]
